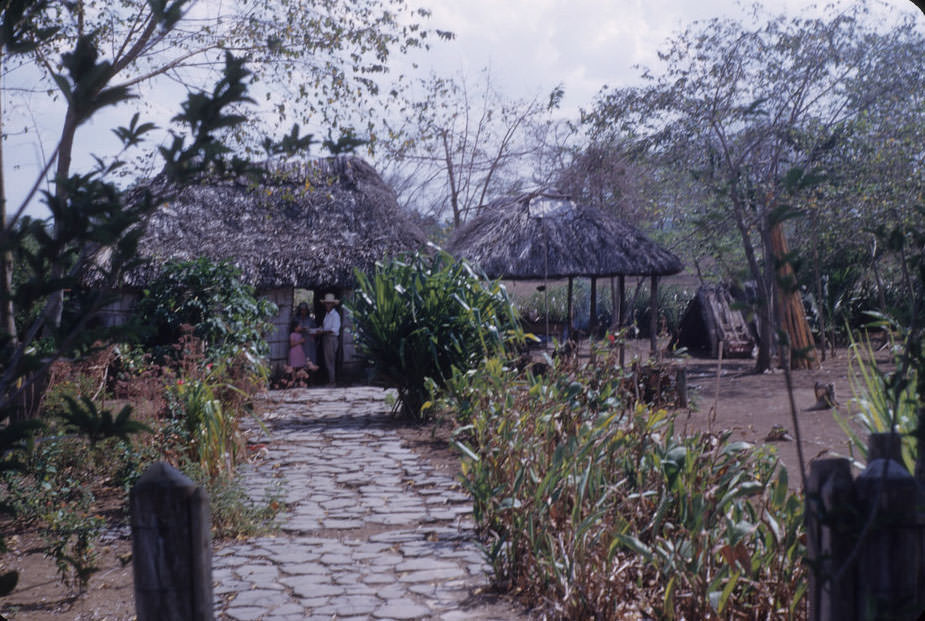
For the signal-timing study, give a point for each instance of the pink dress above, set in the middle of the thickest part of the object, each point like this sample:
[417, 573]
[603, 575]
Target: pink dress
[296, 353]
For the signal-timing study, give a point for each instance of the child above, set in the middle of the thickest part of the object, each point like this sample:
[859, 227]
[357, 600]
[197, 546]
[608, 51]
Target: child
[296, 353]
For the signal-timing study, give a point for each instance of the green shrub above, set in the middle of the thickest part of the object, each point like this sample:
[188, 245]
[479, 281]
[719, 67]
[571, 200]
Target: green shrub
[205, 402]
[596, 506]
[418, 318]
[222, 310]
[56, 494]
[70, 538]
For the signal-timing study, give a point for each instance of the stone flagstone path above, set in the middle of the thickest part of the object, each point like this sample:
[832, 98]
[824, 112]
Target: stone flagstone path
[372, 530]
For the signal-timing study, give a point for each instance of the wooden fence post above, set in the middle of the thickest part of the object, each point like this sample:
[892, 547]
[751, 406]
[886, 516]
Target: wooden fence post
[681, 384]
[829, 540]
[890, 554]
[919, 475]
[884, 446]
[171, 550]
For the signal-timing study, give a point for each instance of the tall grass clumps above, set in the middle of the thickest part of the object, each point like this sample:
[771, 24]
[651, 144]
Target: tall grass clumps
[595, 506]
[421, 317]
[886, 401]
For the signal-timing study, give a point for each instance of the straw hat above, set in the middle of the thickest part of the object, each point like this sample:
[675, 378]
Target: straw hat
[329, 298]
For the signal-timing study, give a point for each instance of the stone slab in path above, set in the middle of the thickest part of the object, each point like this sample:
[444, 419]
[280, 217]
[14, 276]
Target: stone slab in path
[371, 530]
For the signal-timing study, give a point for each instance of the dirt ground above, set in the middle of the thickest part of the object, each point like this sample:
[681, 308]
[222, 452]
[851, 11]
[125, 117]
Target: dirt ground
[726, 395]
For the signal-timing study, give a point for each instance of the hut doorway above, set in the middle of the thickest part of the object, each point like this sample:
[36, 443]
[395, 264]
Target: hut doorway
[303, 295]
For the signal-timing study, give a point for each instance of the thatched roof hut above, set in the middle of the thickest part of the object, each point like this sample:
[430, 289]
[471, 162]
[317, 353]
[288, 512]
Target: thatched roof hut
[545, 235]
[305, 225]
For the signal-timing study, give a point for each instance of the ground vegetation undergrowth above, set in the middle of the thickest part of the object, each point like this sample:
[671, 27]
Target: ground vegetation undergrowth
[588, 503]
[591, 506]
[108, 415]
[71, 488]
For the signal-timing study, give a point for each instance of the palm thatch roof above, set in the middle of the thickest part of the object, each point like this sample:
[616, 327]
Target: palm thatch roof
[546, 235]
[306, 225]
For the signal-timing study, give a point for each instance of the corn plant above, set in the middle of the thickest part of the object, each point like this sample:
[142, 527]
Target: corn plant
[419, 318]
[886, 401]
[588, 500]
[211, 428]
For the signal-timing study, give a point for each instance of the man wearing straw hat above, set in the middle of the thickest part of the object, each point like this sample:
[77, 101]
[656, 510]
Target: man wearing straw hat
[330, 330]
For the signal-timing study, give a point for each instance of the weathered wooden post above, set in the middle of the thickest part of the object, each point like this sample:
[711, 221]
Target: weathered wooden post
[830, 538]
[171, 550]
[890, 551]
[681, 384]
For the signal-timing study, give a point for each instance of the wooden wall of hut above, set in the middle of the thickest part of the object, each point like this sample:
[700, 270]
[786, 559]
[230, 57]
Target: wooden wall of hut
[278, 339]
[117, 312]
[351, 365]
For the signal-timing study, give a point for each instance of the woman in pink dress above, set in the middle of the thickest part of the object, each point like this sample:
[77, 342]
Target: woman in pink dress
[296, 353]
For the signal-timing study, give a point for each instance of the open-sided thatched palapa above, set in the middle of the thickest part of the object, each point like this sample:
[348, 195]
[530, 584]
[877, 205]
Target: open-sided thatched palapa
[306, 225]
[545, 235]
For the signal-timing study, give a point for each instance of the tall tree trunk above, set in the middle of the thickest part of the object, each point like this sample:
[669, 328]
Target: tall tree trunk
[764, 290]
[820, 302]
[621, 318]
[7, 314]
[61, 174]
[793, 322]
[874, 261]
[454, 193]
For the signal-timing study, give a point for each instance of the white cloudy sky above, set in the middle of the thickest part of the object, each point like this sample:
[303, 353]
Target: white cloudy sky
[530, 46]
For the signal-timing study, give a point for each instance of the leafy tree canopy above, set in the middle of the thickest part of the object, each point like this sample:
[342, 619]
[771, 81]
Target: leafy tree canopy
[757, 118]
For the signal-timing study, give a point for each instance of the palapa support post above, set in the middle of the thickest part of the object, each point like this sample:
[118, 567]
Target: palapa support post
[171, 550]
[829, 519]
[681, 387]
[613, 327]
[568, 312]
[653, 316]
[621, 320]
[592, 321]
[890, 547]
